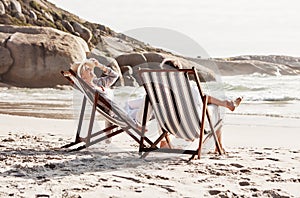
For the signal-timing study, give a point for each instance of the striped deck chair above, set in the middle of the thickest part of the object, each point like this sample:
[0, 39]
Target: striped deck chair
[108, 109]
[169, 93]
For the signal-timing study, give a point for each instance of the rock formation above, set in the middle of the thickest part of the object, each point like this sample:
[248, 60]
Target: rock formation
[39, 39]
[34, 56]
[271, 65]
[2, 8]
[83, 32]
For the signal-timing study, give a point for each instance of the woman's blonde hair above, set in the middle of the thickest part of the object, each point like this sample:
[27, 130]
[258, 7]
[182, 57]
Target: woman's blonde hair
[79, 67]
[75, 66]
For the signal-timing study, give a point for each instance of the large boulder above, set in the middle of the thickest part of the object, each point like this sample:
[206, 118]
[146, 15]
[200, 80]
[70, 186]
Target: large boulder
[5, 60]
[132, 59]
[39, 54]
[153, 57]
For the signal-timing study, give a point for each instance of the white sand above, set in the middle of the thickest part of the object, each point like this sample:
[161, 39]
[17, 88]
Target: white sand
[263, 160]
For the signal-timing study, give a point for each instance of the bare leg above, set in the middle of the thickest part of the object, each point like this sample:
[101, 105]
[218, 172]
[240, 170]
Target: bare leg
[165, 143]
[219, 137]
[231, 105]
[107, 124]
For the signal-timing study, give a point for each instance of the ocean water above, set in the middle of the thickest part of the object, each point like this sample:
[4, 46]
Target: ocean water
[275, 96]
[263, 95]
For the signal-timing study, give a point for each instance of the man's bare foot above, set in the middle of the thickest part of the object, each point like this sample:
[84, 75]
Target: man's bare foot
[233, 104]
[222, 151]
[164, 144]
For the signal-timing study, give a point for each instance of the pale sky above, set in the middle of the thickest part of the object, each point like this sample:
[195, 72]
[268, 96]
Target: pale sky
[222, 27]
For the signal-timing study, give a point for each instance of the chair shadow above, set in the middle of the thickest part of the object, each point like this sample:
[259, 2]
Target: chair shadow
[40, 157]
[51, 163]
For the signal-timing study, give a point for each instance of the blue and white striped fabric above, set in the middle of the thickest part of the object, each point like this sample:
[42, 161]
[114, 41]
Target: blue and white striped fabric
[174, 106]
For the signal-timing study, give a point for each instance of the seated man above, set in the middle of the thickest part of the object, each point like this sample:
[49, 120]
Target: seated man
[136, 107]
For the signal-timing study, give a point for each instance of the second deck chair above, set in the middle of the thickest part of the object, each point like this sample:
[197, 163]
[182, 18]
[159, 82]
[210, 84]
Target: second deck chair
[170, 95]
[107, 108]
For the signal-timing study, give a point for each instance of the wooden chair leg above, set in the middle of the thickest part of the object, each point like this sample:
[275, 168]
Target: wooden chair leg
[92, 119]
[144, 122]
[80, 120]
[202, 126]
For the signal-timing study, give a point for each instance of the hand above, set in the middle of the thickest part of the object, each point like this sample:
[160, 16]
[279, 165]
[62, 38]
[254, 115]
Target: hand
[97, 64]
[94, 61]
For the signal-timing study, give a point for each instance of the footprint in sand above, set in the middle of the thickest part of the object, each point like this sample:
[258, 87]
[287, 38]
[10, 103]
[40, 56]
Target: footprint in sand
[214, 192]
[273, 159]
[245, 170]
[244, 183]
[237, 165]
[254, 189]
[41, 195]
[259, 158]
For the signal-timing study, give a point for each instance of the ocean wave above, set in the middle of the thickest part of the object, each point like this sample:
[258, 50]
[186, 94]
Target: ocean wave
[266, 98]
[258, 87]
[260, 75]
[279, 99]
[229, 87]
[273, 115]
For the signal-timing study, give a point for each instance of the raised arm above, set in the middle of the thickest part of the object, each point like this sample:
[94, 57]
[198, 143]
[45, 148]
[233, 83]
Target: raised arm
[110, 76]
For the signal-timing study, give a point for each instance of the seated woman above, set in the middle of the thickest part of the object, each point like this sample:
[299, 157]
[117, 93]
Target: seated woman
[104, 82]
[86, 69]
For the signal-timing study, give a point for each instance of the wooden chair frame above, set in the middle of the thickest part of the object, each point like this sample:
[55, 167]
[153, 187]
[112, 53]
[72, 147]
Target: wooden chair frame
[205, 115]
[94, 97]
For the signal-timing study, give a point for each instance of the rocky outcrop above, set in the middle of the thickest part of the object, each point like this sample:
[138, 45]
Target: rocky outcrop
[131, 63]
[2, 8]
[5, 59]
[12, 6]
[68, 26]
[83, 32]
[153, 57]
[45, 14]
[270, 65]
[33, 15]
[15, 6]
[132, 59]
[245, 65]
[38, 55]
[32, 56]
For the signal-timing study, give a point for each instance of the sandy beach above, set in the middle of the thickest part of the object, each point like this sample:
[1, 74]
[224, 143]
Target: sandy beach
[246, 49]
[262, 160]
